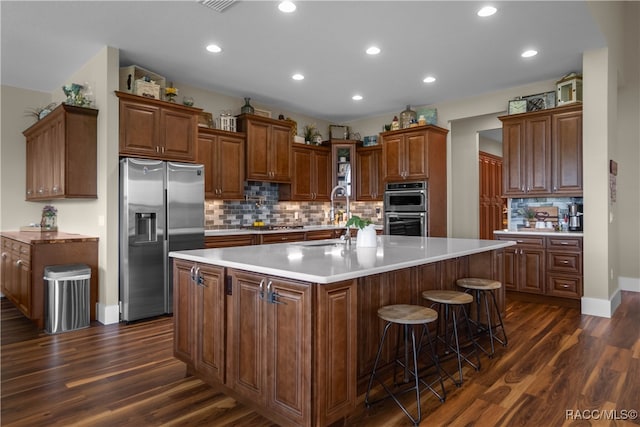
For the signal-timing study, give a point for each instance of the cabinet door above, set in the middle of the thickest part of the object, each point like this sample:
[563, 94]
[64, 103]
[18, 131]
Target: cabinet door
[139, 129]
[280, 153]
[322, 175]
[178, 135]
[514, 157]
[183, 315]
[206, 157]
[23, 285]
[393, 160]
[288, 342]
[230, 166]
[567, 153]
[210, 322]
[258, 135]
[5, 262]
[58, 161]
[415, 156]
[531, 266]
[247, 332]
[301, 185]
[510, 269]
[538, 155]
[368, 180]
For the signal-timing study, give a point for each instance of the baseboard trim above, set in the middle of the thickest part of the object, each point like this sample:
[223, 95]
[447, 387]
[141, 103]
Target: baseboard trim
[108, 314]
[629, 284]
[601, 307]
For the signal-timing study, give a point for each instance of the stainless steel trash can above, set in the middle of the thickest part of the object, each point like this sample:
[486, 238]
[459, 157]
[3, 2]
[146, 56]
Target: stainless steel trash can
[66, 304]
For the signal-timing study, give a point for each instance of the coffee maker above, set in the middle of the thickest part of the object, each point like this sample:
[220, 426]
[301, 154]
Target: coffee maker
[576, 217]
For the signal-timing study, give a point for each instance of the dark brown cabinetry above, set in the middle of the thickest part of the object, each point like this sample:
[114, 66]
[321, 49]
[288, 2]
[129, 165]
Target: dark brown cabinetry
[222, 154]
[268, 148]
[62, 155]
[369, 179]
[549, 266]
[199, 312]
[491, 203]
[542, 152]
[420, 153]
[24, 257]
[311, 174]
[270, 335]
[264, 239]
[157, 129]
[229, 241]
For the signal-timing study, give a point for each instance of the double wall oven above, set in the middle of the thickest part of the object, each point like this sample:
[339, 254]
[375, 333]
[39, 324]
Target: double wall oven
[405, 208]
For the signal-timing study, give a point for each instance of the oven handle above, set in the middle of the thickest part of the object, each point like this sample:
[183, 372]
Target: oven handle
[404, 214]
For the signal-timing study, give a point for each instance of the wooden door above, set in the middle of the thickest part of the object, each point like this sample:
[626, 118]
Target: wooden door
[301, 185]
[206, 157]
[511, 268]
[531, 266]
[322, 175]
[368, 167]
[178, 135]
[23, 285]
[513, 154]
[567, 153]
[58, 157]
[416, 156]
[538, 155]
[183, 313]
[280, 153]
[210, 322]
[491, 202]
[258, 135]
[247, 332]
[393, 157]
[288, 344]
[139, 129]
[230, 167]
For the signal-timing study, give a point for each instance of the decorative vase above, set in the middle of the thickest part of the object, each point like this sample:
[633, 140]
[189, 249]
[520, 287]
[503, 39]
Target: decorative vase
[407, 117]
[49, 223]
[247, 108]
[367, 237]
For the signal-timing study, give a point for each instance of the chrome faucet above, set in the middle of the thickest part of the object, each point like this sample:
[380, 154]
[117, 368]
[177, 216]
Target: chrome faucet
[347, 234]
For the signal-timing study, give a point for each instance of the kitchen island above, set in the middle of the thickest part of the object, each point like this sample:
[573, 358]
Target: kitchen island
[291, 329]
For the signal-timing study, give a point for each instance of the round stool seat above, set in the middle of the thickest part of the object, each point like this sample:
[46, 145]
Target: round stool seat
[406, 314]
[477, 283]
[448, 297]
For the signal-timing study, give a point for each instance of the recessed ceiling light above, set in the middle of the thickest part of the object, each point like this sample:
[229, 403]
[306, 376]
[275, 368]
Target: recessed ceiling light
[297, 76]
[373, 50]
[487, 11]
[214, 48]
[429, 79]
[287, 6]
[357, 97]
[529, 53]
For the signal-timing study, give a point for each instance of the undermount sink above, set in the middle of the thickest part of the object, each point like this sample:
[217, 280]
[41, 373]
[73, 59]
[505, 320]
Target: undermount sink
[319, 244]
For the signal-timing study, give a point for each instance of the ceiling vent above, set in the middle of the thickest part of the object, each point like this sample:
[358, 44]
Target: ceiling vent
[217, 5]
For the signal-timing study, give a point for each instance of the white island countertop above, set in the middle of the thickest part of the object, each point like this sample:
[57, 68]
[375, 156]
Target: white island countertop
[329, 261]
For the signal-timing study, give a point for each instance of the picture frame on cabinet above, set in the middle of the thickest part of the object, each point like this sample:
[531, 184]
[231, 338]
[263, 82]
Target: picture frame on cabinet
[517, 106]
[540, 101]
[205, 120]
[430, 115]
[263, 113]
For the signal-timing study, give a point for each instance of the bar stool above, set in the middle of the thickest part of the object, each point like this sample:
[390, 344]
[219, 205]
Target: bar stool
[449, 303]
[482, 287]
[409, 316]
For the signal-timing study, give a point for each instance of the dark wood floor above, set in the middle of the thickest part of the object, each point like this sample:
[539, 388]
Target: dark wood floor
[125, 375]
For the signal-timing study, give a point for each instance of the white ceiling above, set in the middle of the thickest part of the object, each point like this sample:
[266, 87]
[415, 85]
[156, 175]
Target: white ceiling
[43, 43]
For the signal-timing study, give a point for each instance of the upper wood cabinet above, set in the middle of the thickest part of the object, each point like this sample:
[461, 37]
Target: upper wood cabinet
[62, 155]
[369, 179]
[157, 129]
[542, 152]
[222, 154]
[409, 153]
[311, 178]
[343, 155]
[268, 148]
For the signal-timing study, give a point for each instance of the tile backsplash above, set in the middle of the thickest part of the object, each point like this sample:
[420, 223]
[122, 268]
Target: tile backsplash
[517, 206]
[263, 204]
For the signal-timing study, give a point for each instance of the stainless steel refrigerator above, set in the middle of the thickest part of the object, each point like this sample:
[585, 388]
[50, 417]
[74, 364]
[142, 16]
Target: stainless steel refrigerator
[161, 210]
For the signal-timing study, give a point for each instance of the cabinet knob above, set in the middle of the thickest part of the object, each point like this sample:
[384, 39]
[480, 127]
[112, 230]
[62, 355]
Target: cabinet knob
[565, 262]
[565, 286]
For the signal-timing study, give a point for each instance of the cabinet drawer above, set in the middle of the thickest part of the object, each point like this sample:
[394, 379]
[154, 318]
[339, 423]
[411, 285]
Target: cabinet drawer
[282, 237]
[532, 241]
[568, 262]
[564, 286]
[228, 241]
[321, 234]
[564, 243]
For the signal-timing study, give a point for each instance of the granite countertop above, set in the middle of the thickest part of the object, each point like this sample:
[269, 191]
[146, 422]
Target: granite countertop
[236, 231]
[541, 233]
[38, 237]
[329, 261]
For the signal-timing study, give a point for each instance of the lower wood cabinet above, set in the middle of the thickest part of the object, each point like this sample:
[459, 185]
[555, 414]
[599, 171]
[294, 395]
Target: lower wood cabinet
[542, 265]
[199, 317]
[270, 343]
[229, 241]
[295, 236]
